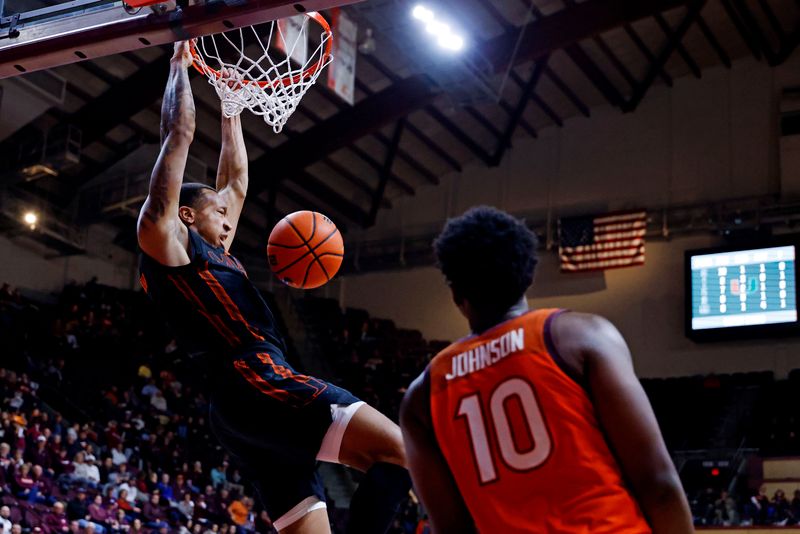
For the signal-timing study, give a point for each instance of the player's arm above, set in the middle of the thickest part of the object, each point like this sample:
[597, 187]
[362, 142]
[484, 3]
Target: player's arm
[159, 230]
[232, 175]
[626, 418]
[432, 479]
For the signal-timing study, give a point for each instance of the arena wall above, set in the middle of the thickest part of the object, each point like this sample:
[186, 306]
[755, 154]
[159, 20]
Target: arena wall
[28, 265]
[704, 140]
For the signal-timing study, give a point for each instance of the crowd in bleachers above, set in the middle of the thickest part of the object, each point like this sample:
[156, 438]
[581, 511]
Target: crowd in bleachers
[757, 508]
[103, 424]
[103, 418]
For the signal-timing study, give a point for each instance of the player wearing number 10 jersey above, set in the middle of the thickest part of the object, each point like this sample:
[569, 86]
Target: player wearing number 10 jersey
[536, 422]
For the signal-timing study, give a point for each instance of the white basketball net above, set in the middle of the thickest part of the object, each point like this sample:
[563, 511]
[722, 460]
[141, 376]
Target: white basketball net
[269, 88]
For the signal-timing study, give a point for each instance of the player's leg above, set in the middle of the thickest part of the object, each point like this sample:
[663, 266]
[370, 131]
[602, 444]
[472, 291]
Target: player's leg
[302, 520]
[369, 438]
[370, 442]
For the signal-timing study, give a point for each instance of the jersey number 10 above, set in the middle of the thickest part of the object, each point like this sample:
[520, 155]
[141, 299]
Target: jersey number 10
[471, 408]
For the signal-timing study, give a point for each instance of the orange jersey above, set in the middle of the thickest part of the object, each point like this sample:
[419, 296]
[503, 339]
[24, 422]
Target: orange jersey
[522, 438]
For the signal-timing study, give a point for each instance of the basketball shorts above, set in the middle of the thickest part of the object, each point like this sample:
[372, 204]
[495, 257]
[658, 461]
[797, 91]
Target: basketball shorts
[278, 424]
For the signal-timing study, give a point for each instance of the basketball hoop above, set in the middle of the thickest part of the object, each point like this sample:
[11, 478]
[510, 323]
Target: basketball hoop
[271, 88]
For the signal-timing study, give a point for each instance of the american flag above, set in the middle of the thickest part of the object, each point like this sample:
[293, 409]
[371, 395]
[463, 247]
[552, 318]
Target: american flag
[604, 242]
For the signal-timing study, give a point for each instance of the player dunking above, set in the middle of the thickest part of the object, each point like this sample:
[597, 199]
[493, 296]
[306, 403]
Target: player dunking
[536, 422]
[275, 421]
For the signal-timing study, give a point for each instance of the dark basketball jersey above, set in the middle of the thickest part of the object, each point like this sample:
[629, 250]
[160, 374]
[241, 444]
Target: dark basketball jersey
[210, 303]
[214, 308]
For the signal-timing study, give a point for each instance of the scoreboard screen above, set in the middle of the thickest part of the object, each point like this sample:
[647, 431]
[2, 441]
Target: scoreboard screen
[741, 288]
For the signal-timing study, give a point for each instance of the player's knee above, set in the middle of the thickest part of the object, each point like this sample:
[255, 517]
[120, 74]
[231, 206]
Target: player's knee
[392, 451]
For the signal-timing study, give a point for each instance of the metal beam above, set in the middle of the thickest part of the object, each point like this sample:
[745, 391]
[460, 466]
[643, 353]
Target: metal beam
[755, 29]
[638, 93]
[569, 93]
[713, 41]
[383, 69]
[422, 136]
[773, 21]
[387, 170]
[109, 29]
[373, 113]
[612, 57]
[646, 52]
[505, 141]
[331, 197]
[328, 95]
[741, 27]
[122, 101]
[687, 58]
[459, 134]
[583, 21]
[595, 75]
[539, 101]
[552, 75]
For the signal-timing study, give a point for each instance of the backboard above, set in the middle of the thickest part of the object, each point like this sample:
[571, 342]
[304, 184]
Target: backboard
[36, 34]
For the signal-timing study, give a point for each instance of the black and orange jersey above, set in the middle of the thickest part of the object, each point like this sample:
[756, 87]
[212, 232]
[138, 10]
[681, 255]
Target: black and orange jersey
[522, 438]
[211, 303]
[215, 309]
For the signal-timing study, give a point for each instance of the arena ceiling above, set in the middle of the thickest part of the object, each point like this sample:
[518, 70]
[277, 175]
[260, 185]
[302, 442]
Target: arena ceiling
[413, 121]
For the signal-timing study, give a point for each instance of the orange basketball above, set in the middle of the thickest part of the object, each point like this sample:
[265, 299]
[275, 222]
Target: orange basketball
[305, 249]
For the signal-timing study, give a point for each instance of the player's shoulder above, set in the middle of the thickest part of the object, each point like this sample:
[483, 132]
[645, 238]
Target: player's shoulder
[577, 333]
[576, 323]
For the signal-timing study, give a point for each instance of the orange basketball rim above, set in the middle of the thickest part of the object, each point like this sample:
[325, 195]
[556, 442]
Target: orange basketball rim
[309, 72]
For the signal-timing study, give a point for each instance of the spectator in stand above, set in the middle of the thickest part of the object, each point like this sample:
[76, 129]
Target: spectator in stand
[24, 483]
[159, 402]
[725, 510]
[197, 477]
[137, 527]
[80, 469]
[5, 520]
[153, 509]
[55, 521]
[118, 455]
[795, 506]
[41, 454]
[119, 523]
[150, 388]
[120, 475]
[62, 465]
[78, 506]
[219, 475]
[5, 456]
[782, 510]
[43, 486]
[106, 468]
[92, 471]
[165, 488]
[186, 506]
[760, 506]
[98, 512]
[180, 487]
[126, 503]
[113, 437]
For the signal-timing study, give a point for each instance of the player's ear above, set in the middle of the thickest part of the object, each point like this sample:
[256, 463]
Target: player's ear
[458, 298]
[186, 214]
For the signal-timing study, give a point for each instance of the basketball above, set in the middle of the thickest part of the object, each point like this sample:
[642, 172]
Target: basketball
[305, 249]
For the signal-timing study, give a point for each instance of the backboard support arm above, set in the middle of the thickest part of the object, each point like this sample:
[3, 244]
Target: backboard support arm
[45, 38]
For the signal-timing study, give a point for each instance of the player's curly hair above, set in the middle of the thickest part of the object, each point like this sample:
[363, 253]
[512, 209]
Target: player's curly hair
[192, 193]
[488, 257]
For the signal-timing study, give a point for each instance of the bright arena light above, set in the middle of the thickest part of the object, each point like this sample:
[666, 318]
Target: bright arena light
[437, 28]
[422, 13]
[451, 42]
[444, 35]
[30, 218]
